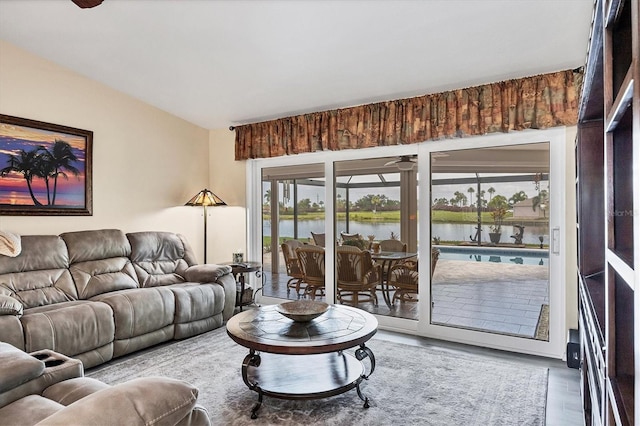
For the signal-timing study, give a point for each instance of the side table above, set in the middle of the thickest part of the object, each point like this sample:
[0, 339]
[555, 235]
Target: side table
[238, 270]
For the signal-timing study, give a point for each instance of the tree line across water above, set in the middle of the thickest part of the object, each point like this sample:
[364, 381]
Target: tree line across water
[381, 203]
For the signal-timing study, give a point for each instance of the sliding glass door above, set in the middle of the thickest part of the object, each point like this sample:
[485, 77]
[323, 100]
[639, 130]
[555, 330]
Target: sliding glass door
[293, 210]
[465, 236]
[376, 211]
[490, 225]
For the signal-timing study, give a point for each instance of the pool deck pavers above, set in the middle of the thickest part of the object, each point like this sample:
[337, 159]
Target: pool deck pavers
[503, 298]
[487, 296]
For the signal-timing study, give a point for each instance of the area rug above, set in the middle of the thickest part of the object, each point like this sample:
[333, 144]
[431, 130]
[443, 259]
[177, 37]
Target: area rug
[410, 386]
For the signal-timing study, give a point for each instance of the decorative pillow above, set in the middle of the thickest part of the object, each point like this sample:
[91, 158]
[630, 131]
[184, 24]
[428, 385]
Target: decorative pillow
[206, 273]
[10, 244]
[144, 401]
[10, 306]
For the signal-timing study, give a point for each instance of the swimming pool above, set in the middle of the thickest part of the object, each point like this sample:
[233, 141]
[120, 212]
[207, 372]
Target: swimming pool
[495, 254]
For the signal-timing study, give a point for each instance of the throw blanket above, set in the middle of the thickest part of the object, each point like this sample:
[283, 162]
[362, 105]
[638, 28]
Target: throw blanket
[10, 244]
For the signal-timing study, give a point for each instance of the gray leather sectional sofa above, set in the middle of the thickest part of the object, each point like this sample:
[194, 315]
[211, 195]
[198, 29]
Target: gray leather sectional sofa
[97, 295]
[48, 388]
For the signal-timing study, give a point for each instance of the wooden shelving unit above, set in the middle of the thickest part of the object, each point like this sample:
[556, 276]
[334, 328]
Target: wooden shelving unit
[608, 188]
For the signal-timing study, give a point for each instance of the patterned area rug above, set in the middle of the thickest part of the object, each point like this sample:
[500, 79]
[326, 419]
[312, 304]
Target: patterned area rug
[410, 386]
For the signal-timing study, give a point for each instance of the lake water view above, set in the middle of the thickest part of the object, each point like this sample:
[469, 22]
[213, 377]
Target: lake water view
[382, 231]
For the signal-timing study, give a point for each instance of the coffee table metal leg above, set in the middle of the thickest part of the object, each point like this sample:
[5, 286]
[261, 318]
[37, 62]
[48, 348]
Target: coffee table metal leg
[361, 353]
[252, 360]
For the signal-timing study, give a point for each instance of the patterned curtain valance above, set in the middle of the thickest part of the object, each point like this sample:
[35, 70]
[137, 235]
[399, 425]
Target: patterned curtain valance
[537, 102]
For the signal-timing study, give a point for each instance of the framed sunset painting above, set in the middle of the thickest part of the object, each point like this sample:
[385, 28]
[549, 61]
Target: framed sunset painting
[45, 169]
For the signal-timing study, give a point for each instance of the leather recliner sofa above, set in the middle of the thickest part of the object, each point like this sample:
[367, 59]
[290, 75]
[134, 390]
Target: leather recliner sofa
[46, 388]
[95, 295]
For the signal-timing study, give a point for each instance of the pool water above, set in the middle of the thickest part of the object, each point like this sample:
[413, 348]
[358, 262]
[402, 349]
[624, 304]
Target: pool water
[496, 255]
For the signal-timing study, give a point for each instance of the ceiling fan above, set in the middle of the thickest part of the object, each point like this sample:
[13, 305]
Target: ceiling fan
[404, 162]
[407, 162]
[87, 4]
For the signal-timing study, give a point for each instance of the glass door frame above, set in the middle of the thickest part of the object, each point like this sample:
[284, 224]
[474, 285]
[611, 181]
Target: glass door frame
[555, 347]
[557, 138]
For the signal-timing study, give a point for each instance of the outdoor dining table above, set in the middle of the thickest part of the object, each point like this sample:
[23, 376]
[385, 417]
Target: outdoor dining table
[387, 259]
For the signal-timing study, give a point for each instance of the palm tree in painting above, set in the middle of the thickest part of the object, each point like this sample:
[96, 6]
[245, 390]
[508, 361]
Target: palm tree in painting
[44, 169]
[59, 160]
[26, 163]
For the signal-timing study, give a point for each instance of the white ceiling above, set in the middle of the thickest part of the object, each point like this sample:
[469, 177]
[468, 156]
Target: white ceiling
[221, 63]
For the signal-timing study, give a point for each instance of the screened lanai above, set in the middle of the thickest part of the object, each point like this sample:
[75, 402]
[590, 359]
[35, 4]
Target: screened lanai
[378, 199]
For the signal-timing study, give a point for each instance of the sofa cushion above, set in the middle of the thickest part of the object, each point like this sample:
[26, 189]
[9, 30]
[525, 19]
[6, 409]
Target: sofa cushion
[69, 391]
[10, 306]
[39, 252]
[143, 401]
[29, 410]
[70, 328]
[11, 331]
[95, 277]
[139, 311]
[38, 275]
[17, 367]
[96, 244]
[99, 262]
[159, 257]
[206, 273]
[197, 301]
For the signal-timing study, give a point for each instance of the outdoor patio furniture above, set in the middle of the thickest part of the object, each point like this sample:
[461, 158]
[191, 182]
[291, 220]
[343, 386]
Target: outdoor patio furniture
[294, 270]
[347, 237]
[312, 264]
[403, 278]
[393, 245]
[318, 239]
[358, 276]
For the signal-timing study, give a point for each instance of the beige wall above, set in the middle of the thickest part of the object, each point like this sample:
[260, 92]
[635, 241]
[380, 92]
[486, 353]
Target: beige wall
[228, 225]
[146, 162]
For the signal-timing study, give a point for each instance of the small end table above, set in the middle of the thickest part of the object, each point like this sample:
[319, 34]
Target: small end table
[238, 270]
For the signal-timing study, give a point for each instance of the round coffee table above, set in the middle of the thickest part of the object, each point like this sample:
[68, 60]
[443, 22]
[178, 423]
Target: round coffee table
[304, 360]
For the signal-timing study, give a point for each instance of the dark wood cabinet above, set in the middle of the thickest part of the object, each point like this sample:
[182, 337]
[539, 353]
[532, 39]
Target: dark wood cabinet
[608, 188]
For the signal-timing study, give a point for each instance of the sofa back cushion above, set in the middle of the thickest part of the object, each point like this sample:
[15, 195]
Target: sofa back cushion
[99, 261]
[38, 275]
[160, 258]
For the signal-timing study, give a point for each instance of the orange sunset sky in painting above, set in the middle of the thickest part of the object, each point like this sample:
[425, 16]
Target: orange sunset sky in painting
[13, 186]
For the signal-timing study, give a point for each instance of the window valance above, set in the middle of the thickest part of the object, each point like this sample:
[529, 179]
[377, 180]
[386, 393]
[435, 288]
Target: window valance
[537, 102]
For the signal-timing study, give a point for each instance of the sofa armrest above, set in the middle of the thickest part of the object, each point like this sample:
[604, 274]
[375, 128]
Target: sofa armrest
[207, 273]
[10, 306]
[17, 368]
[143, 401]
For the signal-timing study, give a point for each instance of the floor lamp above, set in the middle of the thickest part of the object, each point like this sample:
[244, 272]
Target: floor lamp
[205, 198]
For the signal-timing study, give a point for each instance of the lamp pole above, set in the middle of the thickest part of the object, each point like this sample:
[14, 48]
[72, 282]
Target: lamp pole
[205, 233]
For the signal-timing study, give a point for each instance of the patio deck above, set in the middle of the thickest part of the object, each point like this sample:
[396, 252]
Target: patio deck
[493, 297]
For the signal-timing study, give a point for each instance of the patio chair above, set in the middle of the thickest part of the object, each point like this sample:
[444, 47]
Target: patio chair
[294, 270]
[318, 239]
[358, 276]
[312, 264]
[404, 278]
[347, 237]
[393, 245]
